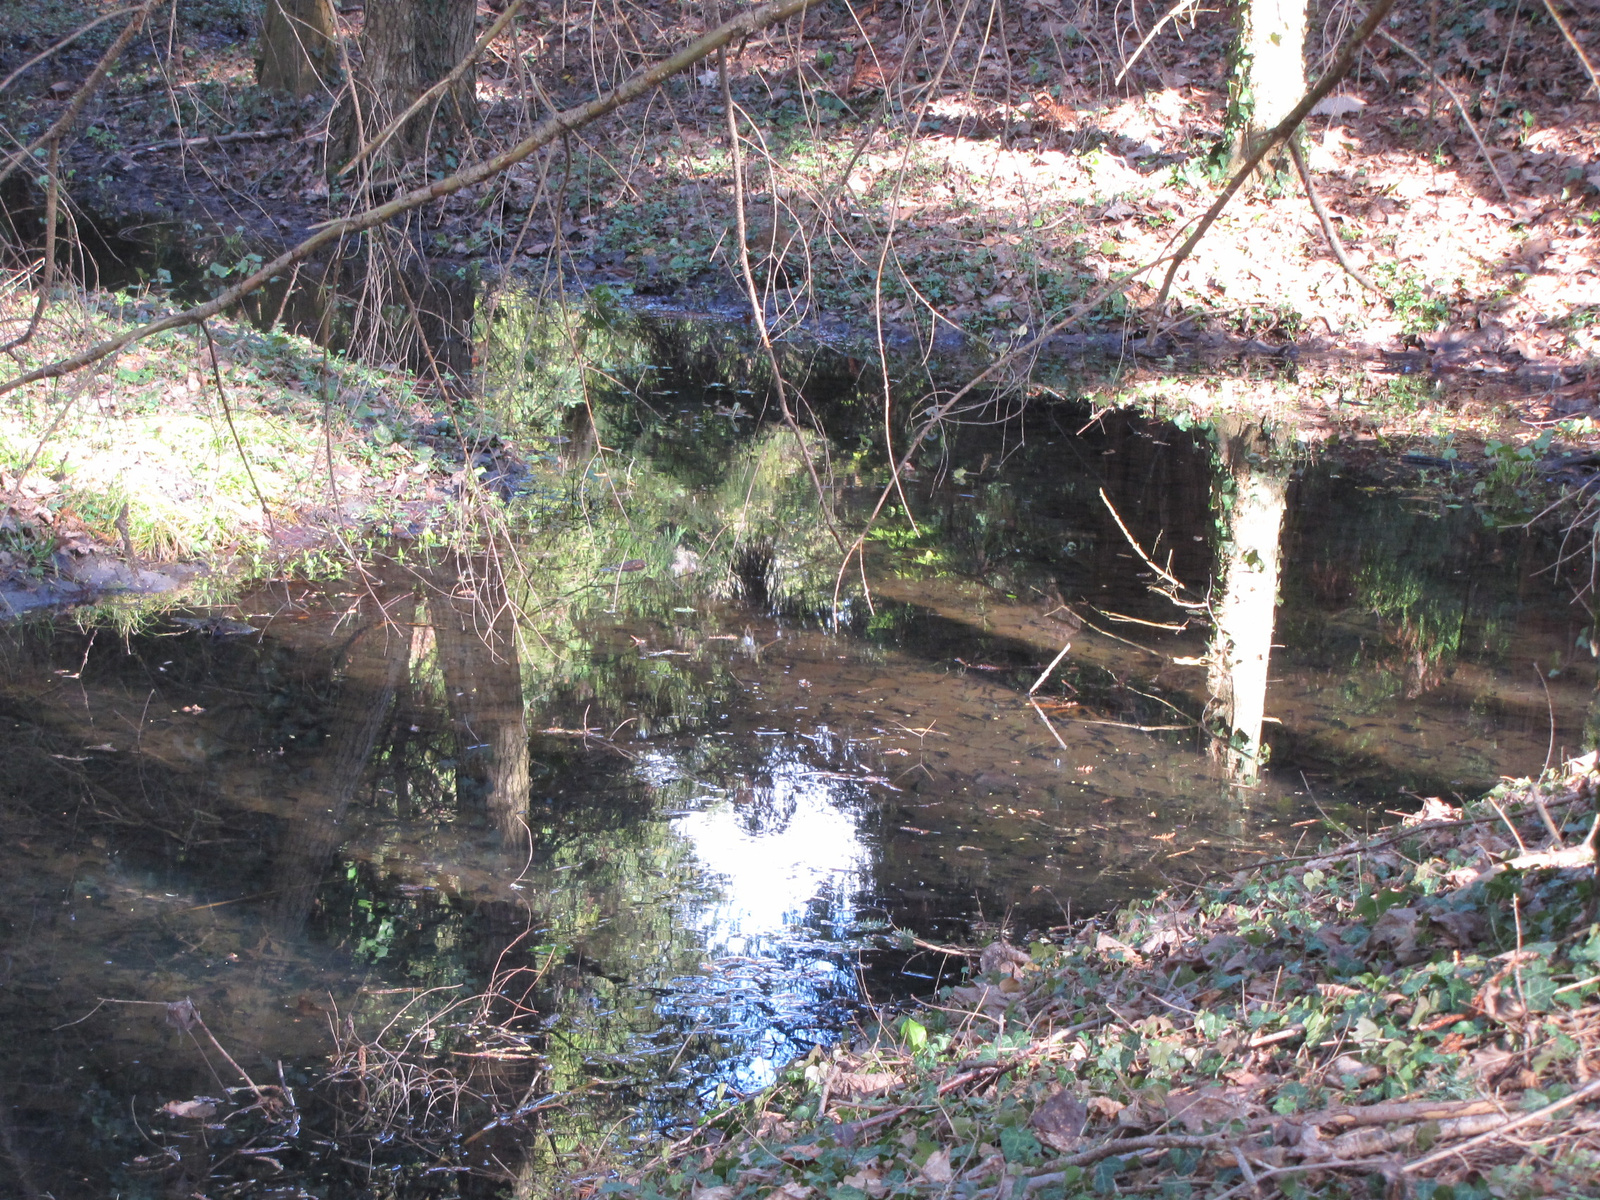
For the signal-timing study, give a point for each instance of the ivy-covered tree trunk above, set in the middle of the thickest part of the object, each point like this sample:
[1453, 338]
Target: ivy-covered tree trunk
[298, 54]
[1269, 73]
[407, 46]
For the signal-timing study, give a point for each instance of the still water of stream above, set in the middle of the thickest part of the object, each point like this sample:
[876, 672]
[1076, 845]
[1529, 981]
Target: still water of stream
[642, 774]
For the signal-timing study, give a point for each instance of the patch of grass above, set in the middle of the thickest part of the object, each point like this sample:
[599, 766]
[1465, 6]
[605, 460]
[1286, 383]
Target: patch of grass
[1422, 306]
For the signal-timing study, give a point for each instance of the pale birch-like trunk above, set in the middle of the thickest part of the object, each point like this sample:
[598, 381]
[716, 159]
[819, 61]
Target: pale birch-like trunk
[1241, 651]
[1269, 71]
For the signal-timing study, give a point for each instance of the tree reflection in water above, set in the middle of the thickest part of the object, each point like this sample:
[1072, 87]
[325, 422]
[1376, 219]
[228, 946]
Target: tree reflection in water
[1252, 493]
[646, 817]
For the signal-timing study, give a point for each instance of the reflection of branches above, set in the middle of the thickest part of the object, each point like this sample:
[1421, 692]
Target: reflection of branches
[1163, 572]
[948, 408]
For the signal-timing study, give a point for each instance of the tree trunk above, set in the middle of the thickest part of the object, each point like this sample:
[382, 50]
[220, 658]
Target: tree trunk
[406, 47]
[1269, 73]
[298, 54]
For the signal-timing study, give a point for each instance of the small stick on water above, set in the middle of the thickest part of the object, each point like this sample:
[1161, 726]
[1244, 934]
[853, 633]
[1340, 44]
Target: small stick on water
[1551, 705]
[1054, 663]
[1048, 725]
[1138, 549]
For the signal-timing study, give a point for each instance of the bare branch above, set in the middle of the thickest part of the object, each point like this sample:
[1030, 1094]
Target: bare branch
[543, 134]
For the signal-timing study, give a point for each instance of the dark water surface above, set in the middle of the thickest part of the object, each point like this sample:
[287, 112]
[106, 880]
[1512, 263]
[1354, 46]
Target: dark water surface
[665, 813]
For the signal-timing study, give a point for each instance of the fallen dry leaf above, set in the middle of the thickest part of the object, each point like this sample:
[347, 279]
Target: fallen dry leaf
[937, 1168]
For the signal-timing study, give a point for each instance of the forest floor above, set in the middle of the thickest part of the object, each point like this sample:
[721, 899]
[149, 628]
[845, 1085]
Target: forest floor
[957, 220]
[1415, 1012]
[1003, 196]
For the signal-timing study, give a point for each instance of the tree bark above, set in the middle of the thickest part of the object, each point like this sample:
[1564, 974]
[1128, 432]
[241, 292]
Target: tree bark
[298, 54]
[406, 47]
[1269, 72]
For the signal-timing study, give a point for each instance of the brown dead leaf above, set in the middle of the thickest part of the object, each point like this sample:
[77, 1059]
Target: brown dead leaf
[1397, 929]
[1349, 1067]
[1059, 1121]
[1195, 1109]
[1104, 1106]
[860, 1083]
[869, 1180]
[937, 1168]
[1433, 809]
[1461, 929]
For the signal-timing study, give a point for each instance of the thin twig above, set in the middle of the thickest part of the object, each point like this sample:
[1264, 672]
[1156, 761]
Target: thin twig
[1551, 705]
[758, 313]
[214, 139]
[1537, 1115]
[1054, 663]
[222, 395]
[1048, 725]
[1577, 46]
[52, 196]
[1138, 549]
[1175, 11]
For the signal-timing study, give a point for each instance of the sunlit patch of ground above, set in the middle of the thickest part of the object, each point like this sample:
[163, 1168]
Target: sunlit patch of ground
[1045, 164]
[144, 456]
